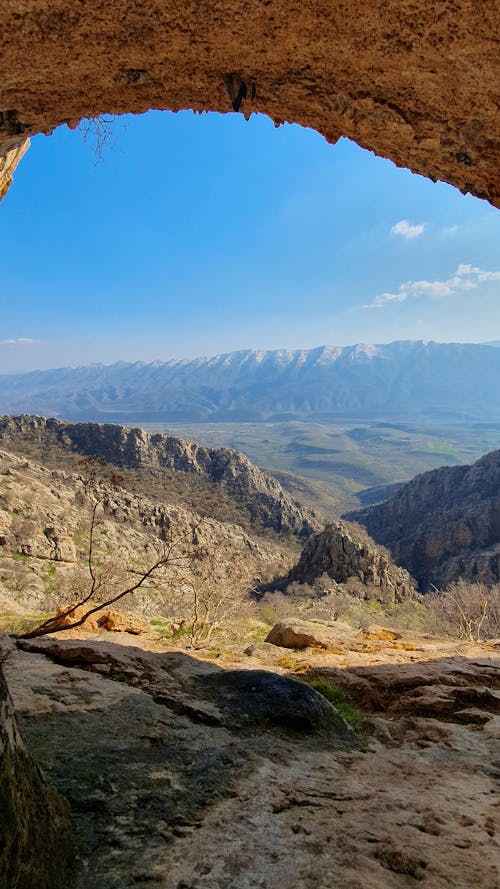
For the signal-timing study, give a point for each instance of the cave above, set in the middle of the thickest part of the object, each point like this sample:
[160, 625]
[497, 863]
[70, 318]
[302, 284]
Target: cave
[413, 81]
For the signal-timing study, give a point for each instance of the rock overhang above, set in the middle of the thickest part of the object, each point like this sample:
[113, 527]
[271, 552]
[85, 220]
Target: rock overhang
[415, 82]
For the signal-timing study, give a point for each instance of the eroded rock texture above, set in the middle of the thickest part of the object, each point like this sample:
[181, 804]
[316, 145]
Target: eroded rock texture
[8, 164]
[36, 845]
[185, 774]
[346, 554]
[417, 82]
[444, 524]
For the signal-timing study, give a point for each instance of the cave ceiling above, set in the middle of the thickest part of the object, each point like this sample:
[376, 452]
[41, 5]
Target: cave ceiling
[413, 80]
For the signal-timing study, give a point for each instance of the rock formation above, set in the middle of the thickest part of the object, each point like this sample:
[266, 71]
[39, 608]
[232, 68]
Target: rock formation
[44, 538]
[413, 81]
[37, 849]
[8, 164]
[346, 554]
[182, 774]
[444, 524]
[249, 492]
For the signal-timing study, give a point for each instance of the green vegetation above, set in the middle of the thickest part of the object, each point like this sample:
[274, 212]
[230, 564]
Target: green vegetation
[336, 696]
[401, 863]
[122, 677]
[11, 622]
[328, 466]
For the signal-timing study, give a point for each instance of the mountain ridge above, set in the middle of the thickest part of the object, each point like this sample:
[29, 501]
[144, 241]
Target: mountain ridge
[449, 381]
[229, 483]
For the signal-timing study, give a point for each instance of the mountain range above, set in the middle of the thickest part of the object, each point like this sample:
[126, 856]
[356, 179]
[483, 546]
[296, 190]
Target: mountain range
[410, 380]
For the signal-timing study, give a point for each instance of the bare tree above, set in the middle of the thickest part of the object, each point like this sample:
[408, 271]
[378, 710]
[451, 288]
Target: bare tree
[103, 590]
[468, 610]
[99, 131]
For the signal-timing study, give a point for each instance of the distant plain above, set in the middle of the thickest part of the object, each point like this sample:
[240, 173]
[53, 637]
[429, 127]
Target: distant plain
[336, 467]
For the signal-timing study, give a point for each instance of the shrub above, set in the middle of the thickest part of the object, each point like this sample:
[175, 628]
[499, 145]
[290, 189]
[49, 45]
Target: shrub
[336, 696]
[466, 610]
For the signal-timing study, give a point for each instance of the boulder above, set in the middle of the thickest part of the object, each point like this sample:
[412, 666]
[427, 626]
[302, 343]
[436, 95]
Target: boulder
[107, 619]
[251, 699]
[294, 633]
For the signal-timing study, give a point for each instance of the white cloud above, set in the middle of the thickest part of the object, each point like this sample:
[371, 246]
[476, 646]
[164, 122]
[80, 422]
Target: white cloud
[406, 230]
[467, 277]
[473, 270]
[20, 341]
[451, 230]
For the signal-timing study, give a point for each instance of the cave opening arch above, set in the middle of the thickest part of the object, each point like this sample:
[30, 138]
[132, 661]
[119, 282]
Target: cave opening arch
[412, 81]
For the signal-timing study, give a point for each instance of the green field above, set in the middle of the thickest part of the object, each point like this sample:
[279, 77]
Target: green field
[331, 466]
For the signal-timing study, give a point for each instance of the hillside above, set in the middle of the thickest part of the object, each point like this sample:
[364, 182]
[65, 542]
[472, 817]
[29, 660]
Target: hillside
[336, 467]
[404, 380]
[218, 482]
[44, 539]
[444, 524]
[344, 553]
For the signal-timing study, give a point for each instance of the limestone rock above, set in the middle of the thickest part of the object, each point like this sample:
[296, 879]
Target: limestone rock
[37, 850]
[444, 524]
[374, 633]
[180, 777]
[415, 82]
[252, 493]
[260, 699]
[8, 164]
[345, 553]
[44, 522]
[293, 633]
[264, 650]
[109, 619]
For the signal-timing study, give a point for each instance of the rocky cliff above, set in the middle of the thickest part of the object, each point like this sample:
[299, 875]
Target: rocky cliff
[346, 554]
[37, 849]
[443, 525]
[219, 481]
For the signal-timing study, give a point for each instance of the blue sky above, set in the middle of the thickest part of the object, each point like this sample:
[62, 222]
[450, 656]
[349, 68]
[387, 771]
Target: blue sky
[199, 234]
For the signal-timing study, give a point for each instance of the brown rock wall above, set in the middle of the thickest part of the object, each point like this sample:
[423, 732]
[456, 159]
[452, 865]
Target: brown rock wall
[414, 81]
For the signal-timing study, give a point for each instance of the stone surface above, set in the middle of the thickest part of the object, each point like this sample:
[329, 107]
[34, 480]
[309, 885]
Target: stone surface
[293, 633]
[8, 164]
[109, 619]
[416, 82]
[171, 785]
[37, 849]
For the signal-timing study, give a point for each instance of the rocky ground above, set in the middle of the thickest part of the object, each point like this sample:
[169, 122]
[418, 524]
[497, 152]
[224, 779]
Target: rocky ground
[186, 771]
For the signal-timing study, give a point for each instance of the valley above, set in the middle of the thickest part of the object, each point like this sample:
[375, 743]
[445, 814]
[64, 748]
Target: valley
[254, 703]
[337, 467]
